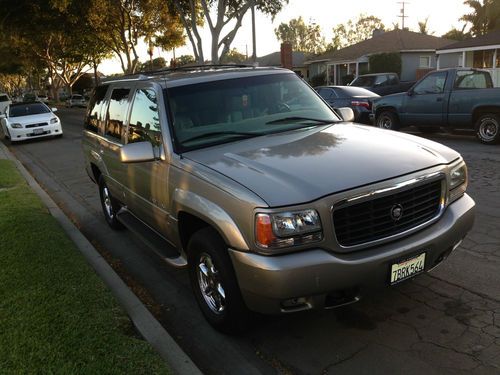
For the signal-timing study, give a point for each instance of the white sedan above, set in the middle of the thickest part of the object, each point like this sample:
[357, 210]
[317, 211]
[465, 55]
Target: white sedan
[30, 120]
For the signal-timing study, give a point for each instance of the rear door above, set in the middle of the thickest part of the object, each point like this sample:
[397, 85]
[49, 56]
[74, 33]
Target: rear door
[114, 136]
[425, 106]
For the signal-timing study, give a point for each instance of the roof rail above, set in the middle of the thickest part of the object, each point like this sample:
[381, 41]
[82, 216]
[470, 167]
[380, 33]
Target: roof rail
[143, 74]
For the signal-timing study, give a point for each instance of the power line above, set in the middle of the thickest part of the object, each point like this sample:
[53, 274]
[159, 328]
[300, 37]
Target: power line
[402, 13]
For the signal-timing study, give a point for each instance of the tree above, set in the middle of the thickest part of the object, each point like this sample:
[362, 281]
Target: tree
[234, 56]
[455, 34]
[484, 16]
[155, 64]
[423, 28]
[354, 32]
[184, 60]
[120, 24]
[302, 37]
[219, 16]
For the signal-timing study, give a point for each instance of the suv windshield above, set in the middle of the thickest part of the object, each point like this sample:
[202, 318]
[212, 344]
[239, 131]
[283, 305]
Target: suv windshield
[28, 109]
[210, 113]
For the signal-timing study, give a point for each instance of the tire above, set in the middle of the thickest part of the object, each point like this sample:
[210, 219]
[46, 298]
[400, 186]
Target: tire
[109, 205]
[387, 120]
[214, 283]
[488, 128]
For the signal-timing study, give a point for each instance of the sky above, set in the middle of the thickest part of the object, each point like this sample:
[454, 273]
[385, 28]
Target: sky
[442, 16]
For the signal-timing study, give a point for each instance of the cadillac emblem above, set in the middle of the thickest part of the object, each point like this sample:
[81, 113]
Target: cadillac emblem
[396, 212]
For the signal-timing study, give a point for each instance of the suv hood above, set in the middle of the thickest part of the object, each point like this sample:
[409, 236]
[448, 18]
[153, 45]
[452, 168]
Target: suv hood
[303, 165]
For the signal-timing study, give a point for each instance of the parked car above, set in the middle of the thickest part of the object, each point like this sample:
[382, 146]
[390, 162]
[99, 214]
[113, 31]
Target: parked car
[451, 98]
[4, 102]
[382, 83]
[357, 98]
[76, 100]
[43, 98]
[273, 202]
[30, 120]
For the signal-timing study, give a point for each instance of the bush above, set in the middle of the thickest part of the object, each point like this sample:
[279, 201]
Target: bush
[385, 62]
[318, 79]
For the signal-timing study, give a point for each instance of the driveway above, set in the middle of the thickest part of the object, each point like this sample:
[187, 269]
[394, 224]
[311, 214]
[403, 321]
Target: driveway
[445, 322]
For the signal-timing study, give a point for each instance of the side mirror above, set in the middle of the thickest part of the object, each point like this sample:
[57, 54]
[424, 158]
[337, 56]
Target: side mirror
[346, 114]
[53, 109]
[137, 152]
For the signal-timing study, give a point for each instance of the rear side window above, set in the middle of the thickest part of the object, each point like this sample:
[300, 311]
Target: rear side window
[327, 94]
[144, 125]
[4, 98]
[94, 116]
[472, 79]
[117, 111]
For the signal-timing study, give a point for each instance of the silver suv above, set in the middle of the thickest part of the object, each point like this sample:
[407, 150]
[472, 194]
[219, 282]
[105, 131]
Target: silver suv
[273, 202]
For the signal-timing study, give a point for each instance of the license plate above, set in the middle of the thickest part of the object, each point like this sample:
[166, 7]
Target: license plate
[37, 131]
[407, 268]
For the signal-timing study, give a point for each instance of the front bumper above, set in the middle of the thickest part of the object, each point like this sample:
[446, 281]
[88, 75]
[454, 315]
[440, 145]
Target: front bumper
[314, 276]
[22, 134]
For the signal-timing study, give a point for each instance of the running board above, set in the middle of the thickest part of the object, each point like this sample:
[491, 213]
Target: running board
[151, 238]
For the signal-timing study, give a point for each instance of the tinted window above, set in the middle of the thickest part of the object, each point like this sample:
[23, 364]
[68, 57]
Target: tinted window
[28, 109]
[78, 97]
[4, 98]
[432, 84]
[326, 93]
[471, 79]
[93, 117]
[366, 81]
[350, 91]
[144, 119]
[117, 111]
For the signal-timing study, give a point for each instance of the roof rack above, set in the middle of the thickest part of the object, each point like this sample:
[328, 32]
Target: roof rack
[186, 68]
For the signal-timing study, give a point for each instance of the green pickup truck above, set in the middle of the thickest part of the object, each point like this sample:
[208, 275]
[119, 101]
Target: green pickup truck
[450, 98]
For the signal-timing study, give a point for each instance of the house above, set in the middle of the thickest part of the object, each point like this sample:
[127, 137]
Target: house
[418, 55]
[275, 59]
[481, 52]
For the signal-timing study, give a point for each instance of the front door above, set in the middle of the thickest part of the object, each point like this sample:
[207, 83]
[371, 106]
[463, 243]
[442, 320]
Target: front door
[425, 104]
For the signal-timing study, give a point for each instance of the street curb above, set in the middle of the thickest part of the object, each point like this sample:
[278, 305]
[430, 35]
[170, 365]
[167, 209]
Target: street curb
[144, 321]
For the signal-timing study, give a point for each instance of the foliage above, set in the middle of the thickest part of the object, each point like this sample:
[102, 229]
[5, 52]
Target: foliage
[234, 56]
[385, 62]
[84, 83]
[302, 37]
[485, 16]
[223, 18]
[184, 60]
[423, 27]
[121, 24]
[155, 64]
[318, 79]
[355, 31]
[455, 34]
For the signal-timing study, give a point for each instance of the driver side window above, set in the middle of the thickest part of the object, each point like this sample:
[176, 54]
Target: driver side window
[432, 84]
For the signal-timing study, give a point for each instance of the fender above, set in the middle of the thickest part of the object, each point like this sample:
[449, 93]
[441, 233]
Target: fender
[211, 213]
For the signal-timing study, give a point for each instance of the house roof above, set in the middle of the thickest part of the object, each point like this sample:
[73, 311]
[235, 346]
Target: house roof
[490, 39]
[389, 41]
[274, 59]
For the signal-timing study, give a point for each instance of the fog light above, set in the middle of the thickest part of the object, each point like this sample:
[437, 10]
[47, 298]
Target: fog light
[295, 304]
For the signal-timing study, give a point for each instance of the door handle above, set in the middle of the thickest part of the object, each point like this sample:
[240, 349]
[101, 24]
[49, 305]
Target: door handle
[439, 99]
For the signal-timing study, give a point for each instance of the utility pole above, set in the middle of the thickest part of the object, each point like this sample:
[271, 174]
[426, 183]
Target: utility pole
[254, 52]
[402, 13]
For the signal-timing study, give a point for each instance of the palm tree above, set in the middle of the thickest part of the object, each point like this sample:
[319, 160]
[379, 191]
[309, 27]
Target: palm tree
[484, 16]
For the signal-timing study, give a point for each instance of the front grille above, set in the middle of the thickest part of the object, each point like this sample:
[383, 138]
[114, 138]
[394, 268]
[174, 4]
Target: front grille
[36, 125]
[374, 219]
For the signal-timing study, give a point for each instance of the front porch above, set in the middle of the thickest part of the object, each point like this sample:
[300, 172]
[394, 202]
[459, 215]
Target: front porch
[343, 72]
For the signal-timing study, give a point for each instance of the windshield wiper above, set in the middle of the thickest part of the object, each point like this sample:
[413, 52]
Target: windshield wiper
[298, 118]
[214, 134]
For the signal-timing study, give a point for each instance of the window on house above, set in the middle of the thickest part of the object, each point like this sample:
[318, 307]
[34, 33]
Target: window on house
[424, 62]
[483, 59]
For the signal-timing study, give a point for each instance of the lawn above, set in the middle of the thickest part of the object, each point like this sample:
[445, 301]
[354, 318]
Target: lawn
[56, 315]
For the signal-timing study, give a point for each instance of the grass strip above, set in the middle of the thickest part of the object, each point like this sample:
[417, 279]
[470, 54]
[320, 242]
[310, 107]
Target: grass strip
[56, 315]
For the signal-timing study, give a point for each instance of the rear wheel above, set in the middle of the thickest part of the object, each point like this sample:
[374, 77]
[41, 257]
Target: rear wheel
[214, 282]
[387, 120]
[109, 205]
[488, 128]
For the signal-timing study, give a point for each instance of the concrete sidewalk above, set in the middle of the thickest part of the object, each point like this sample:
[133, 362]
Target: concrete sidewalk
[143, 320]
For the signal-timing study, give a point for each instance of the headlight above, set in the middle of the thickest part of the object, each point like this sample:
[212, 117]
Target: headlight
[458, 182]
[54, 120]
[16, 126]
[285, 229]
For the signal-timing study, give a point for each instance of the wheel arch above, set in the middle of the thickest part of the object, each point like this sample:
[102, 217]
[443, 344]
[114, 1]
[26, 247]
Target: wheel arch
[482, 110]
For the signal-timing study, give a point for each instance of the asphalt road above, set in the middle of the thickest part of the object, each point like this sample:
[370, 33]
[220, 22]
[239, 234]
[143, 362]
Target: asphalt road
[445, 322]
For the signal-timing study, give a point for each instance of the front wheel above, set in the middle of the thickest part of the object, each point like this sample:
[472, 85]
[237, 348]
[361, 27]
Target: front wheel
[387, 120]
[109, 206]
[488, 129]
[214, 282]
